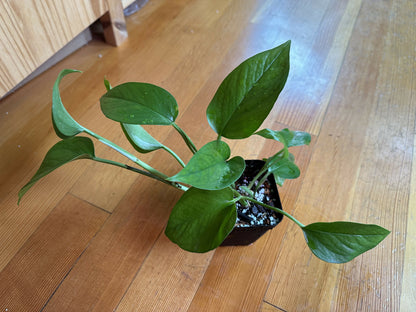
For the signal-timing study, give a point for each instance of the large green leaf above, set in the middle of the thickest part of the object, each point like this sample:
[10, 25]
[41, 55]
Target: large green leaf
[65, 126]
[248, 93]
[61, 153]
[209, 169]
[340, 242]
[139, 103]
[201, 220]
[287, 137]
[140, 139]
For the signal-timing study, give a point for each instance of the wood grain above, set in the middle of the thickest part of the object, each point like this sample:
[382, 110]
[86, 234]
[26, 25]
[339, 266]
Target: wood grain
[322, 30]
[33, 31]
[408, 295]
[114, 24]
[167, 280]
[116, 252]
[31, 277]
[353, 143]
[351, 84]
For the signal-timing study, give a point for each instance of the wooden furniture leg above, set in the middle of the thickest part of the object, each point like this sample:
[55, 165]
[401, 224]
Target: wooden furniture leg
[114, 24]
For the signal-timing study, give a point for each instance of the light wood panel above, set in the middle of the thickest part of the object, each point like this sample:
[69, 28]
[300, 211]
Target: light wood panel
[114, 25]
[33, 31]
[351, 84]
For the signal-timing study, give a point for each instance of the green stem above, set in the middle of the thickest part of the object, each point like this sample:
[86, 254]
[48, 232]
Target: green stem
[275, 209]
[258, 175]
[263, 170]
[186, 138]
[261, 182]
[174, 155]
[127, 154]
[148, 174]
[285, 151]
[235, 191]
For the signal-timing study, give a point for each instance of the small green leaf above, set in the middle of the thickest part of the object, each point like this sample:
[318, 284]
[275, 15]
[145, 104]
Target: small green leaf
[61, 153]
[285, 169]
[107, 84]
[282, 167]
[209, 169]
[340, 242]
[201, 220]
[140, 139]
[248, 93]
[139, 103]
[65, 126]
[287, 137]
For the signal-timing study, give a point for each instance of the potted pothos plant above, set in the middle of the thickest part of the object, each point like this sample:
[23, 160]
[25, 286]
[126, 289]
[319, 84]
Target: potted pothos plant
[213, 184]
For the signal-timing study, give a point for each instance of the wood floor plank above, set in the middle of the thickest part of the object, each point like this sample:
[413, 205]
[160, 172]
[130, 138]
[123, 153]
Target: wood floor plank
[365, 142]
[32, 276]
[320, 31]
[167, 280]
[117, 251]
[323, 198]
[267, 307]
[387, 162]
[408, 294]
[19, 222]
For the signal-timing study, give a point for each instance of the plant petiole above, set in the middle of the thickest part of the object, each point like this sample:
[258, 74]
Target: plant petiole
[186, 138]
[148, 174]
[261, 182]
[261, 172]
[179, 160]
[127, 154]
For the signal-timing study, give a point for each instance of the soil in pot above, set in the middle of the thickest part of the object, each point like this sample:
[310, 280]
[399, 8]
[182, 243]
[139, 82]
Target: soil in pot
[255, 220]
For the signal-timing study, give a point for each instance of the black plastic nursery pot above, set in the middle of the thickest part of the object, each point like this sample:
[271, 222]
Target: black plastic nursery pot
[254, 221]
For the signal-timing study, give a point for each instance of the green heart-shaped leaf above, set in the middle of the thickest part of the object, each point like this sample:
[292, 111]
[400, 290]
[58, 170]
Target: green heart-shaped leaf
[140, 139]
[139, 103]
[282, 167]
[201, 220]
[287, 137]
[209, 169]
[61, 153]
[248, 93]
[340, 242]
[65, 126]
[285, 169]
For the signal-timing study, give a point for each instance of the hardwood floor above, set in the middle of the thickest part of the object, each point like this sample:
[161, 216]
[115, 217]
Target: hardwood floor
[89, 237]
